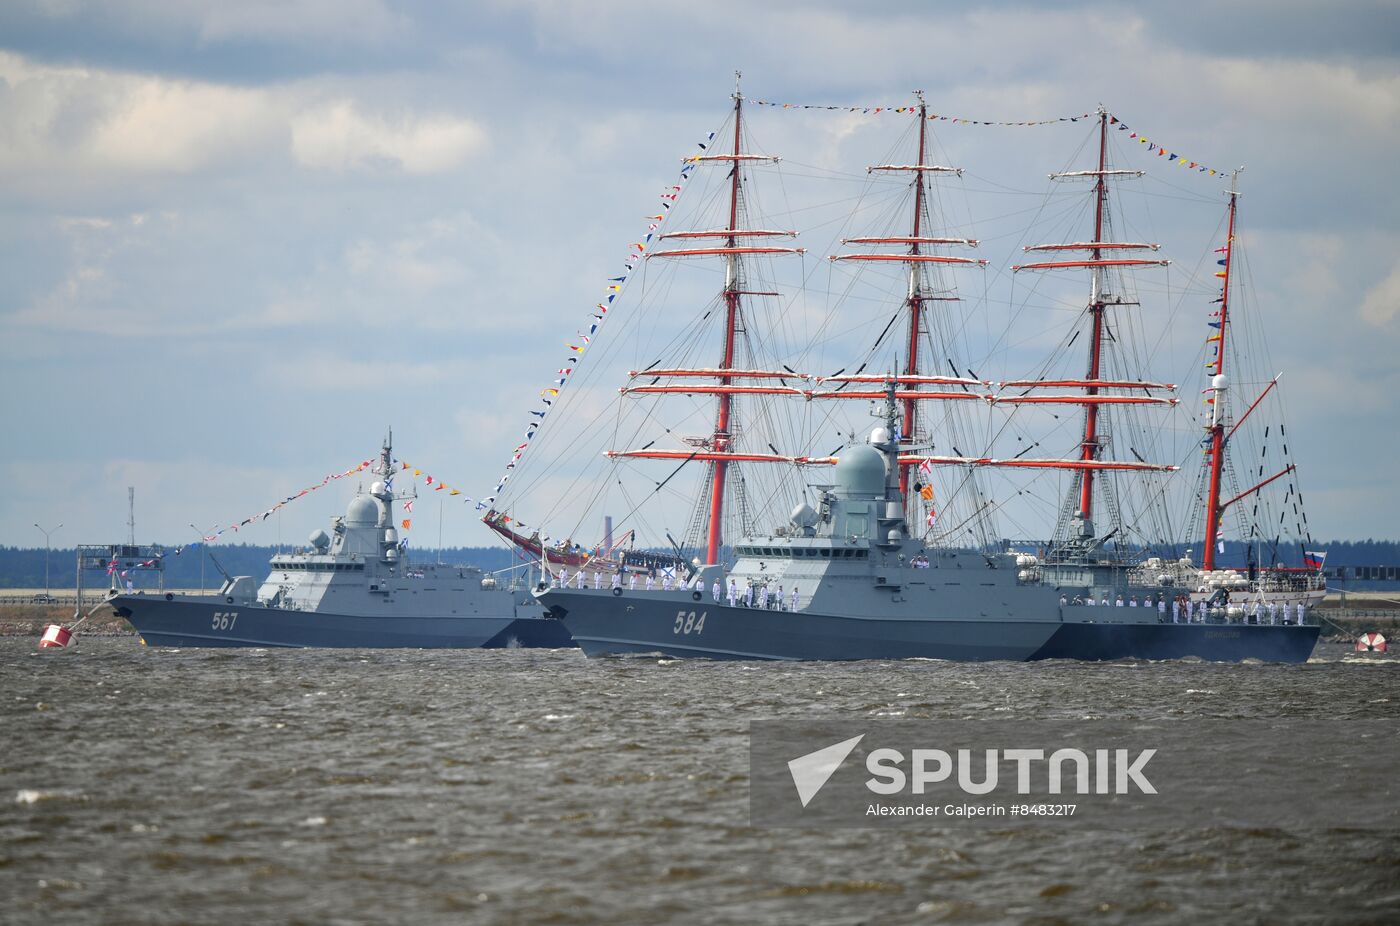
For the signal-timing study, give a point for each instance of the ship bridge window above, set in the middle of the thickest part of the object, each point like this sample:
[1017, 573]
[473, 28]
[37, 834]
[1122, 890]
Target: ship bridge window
[826, 552]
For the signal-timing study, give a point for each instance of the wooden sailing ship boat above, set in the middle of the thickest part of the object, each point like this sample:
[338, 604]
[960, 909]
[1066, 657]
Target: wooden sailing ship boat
[868, 512]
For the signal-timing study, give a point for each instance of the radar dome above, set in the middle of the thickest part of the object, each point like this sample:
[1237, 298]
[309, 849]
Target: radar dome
[804, 516]
[1219, 381]
[880, 435]
[363, 512]
[320, 539]
[860, 470]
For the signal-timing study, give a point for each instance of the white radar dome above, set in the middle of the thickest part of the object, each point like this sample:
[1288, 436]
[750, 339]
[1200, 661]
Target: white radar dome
[860, 470]
[363, 511]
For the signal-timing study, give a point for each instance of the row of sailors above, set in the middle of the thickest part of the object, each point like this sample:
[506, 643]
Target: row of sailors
[1195, 612]
[750, 596]
[757, 596]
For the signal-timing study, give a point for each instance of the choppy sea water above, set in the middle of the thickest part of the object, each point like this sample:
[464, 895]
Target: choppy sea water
[169, 786]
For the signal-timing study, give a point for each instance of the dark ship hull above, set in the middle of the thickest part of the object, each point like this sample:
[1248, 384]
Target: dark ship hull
[680, 626]
[212, 621]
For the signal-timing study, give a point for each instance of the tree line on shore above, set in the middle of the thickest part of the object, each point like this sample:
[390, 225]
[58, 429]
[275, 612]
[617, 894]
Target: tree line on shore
[23, 567]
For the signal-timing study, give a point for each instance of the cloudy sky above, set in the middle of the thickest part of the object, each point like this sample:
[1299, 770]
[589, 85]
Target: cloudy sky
[240, 240]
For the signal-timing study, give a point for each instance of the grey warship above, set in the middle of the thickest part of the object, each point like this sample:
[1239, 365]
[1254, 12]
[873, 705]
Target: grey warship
[865, 590]
[351, 587]
[872, 564]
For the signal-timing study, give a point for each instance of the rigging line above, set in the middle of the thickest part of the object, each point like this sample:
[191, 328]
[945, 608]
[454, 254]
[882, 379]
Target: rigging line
[583, 374]
[543, 441]
[559, 409]
[1035, 285]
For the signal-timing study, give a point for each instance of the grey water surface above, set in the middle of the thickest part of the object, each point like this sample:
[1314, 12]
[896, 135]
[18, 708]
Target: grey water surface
[533, 786]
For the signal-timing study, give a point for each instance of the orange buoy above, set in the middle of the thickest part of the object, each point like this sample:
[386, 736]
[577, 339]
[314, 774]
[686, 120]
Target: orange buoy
[1371, 643]
[56, 636]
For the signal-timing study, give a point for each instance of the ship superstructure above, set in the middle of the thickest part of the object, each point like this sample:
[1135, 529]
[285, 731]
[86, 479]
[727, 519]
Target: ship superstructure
[350, 587]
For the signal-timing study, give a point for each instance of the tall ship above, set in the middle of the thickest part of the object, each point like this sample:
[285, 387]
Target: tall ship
[887, 546]
[350, 587]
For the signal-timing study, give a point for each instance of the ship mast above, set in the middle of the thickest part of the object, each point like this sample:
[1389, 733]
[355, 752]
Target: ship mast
[736, 244]
[720, 441]
[901, 390]
[916, 295]
[1101, 255]
[915, 257]
[1218, 434]
[1219, 383]
[1089, 447]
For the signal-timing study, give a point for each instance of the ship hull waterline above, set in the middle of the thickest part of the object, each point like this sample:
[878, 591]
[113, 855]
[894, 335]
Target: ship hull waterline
[602, 625]
[210, 621]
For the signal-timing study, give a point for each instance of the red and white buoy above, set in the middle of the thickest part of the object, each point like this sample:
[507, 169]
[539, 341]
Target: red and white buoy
[56, 636]
[1371, 643]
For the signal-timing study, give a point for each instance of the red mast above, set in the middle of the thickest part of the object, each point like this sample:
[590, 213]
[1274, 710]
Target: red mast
[1101, 255]
[1219, 435]
[916, 296]
[1218, 384]
[1089, 448]
[720, 442]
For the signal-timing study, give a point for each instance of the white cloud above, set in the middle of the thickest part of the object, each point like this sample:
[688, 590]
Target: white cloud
[160, 125]
[324, 371]
[58, 120]
[1382, 301]
[338, 136]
